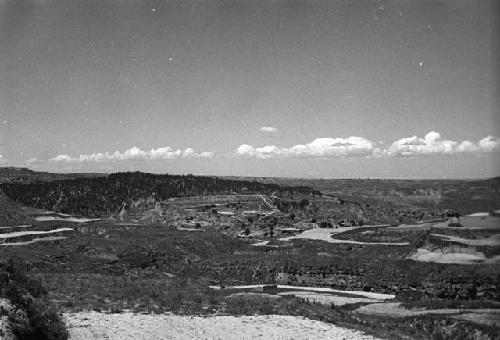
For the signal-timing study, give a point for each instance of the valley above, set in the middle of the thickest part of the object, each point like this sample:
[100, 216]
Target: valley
[170, 245]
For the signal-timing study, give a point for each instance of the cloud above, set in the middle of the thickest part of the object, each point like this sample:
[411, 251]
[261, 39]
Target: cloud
[32, 160]
[61, 158]
[433, 144]
[429, 145]
[134, 154]
[2, 160]
[318, 148]
[268, 129]
[489, 144]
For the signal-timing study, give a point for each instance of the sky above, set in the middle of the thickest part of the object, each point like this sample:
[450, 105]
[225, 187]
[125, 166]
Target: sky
[313, 89]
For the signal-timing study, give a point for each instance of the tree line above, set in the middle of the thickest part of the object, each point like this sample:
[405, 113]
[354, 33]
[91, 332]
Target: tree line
[104, 195]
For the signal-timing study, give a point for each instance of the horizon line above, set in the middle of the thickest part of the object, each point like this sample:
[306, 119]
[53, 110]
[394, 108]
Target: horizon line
[444, 178]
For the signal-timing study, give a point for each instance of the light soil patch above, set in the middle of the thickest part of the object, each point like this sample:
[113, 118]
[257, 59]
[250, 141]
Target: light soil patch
[131, 224]
[471, 222]
[438, 256]
[493, 240]
[479, 214]
[326, 299]
[265, 244]
[395, 309]
[481, 318]
[35, 240]
[54, 213]
[369, 295]
[66, 219]
[324, 234]
[189, 229]
[371, 243]
[17, 226]
[94, 325]
[33, 232]
[411, 227]
[260, 244]
[270, 296]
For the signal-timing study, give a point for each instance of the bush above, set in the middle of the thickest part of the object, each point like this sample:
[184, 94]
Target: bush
[35, 317]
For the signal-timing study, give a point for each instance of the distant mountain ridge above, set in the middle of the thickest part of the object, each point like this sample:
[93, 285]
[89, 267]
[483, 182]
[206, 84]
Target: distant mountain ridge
[25, 175]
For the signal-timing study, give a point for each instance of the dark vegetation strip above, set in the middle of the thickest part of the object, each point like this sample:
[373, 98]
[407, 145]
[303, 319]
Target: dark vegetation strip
[104, 195]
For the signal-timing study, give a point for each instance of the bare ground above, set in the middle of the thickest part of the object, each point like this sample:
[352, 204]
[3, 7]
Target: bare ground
[94, 325]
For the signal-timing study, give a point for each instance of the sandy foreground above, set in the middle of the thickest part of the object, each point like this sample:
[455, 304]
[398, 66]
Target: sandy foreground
[95, 325]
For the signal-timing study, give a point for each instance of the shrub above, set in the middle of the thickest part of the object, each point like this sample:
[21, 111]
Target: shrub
[35, 317]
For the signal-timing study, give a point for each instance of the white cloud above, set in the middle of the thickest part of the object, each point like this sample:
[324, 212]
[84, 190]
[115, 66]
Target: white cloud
[488, 144]
[268, 129]
[2, 160]
[432, 144]
[61, 158]
[32, 160]
[207, 154]
[134, 154]
[318, 148]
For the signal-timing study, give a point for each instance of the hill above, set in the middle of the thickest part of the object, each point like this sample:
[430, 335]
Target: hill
[103, 195]
[24, 175]
[464, 196]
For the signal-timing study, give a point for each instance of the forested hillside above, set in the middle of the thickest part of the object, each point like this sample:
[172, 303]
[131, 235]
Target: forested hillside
[104, 195]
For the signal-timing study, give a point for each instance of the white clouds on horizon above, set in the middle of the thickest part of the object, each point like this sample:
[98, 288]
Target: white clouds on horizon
[432, 144]
[318, 148]
[353, 146]
[134, 154]
[268, 129]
